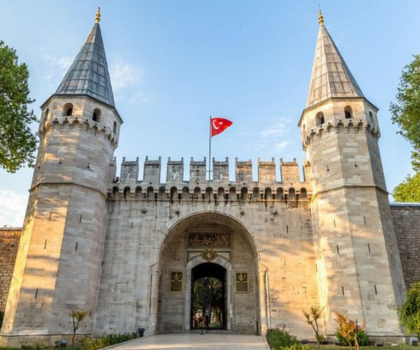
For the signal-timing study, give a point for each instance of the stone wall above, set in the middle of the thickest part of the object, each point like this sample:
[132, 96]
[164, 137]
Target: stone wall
[406, 218]
[9, 244]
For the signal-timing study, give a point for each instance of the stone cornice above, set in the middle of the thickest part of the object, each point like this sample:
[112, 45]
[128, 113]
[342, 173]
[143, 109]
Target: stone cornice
[345, 125]
[87, 125]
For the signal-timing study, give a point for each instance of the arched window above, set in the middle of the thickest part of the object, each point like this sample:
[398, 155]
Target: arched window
[372, 118]
[47, 113]
[162, 192]
[126, 192]
[292, 193]
[256, 193]
[348, 113]
[209, 193]
[174, 192]
[320, 119]
[244, 193]
[115, 192]
[138, 192]
[150, 192]
[268, 193]
[303, 193]
[96, 115]
[232, 193]
[185, 193]
[197, 192]
[221, 192]
[279, 193]
[68, 109]
[115, 128]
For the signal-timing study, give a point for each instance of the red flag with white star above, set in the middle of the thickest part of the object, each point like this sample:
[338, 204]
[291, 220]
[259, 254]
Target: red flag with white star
[218, 125]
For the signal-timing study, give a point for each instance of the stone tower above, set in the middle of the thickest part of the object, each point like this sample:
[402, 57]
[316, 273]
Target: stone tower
[60, 253]
[358, 266]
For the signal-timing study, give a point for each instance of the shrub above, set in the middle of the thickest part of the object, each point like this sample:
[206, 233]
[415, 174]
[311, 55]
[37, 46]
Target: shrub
[362, 338]
[106, 340]
[297, 346]
[280, 339]
[31, 347]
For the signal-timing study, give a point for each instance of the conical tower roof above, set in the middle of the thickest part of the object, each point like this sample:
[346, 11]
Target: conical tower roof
[330, 75]
[88, 75]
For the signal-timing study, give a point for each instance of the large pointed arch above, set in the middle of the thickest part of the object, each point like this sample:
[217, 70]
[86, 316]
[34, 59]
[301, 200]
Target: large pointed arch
[176, 255]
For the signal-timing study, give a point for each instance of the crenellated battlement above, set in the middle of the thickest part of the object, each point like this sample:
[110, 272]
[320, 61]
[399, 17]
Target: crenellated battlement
[74, 123]
[290, 186]
[340, 126]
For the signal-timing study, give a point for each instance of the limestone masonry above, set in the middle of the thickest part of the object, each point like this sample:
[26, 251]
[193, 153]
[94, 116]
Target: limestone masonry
[9, 243]
[128, 248]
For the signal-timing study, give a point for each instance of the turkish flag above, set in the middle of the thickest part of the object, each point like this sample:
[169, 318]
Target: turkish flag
[218, 125]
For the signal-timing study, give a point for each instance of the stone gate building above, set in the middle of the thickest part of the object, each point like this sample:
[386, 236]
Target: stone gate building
[130, 250]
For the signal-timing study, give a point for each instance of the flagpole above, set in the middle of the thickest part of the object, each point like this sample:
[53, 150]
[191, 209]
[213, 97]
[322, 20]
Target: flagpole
[210, 149]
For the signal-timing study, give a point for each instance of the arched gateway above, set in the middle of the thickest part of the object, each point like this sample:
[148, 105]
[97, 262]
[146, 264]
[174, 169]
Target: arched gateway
[212, 246]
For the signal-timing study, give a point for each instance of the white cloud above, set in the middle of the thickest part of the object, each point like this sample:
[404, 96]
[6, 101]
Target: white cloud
[273, 136]
[124, 74]
[277, 129]
[12, 208]
[61, 64]
[280, 146]
[139, 97]
[56, 67]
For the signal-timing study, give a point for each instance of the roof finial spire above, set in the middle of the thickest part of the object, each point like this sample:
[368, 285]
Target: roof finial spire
[320, 16]
[98, 15]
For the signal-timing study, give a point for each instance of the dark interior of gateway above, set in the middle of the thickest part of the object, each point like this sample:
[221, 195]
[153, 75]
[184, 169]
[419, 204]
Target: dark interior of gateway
[208, 294]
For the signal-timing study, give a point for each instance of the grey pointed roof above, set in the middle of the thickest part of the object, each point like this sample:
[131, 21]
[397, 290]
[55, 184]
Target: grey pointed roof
[88, 74]
[330, 75]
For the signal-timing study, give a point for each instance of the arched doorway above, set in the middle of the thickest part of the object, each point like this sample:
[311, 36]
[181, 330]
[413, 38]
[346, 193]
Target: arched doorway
[208, 296]
[210, 244]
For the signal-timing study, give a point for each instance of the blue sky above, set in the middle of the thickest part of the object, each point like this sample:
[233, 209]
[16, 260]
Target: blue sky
[175, 63]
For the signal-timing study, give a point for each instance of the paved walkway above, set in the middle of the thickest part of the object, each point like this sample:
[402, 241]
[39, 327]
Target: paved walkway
[195, 341]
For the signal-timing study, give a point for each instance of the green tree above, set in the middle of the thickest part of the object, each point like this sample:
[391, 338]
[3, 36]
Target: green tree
[409, 311]
[312, 318]
[406, 113]
[17, 142]
[207, 294]
[408, 190]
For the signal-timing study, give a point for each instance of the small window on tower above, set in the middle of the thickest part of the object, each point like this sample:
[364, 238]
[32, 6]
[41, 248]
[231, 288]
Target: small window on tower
[96, 115]
[115, 128]
[348, 112]
[68, 109]
[372, 118]
[320, 119]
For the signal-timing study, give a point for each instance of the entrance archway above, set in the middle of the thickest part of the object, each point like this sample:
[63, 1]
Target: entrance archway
[208, 245]
[218, 267]
[208, 296]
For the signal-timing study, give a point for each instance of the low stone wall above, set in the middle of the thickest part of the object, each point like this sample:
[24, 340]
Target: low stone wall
[9, 244]
[406, 218]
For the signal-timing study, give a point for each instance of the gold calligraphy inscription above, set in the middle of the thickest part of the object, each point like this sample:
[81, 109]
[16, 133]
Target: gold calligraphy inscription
[209, 239]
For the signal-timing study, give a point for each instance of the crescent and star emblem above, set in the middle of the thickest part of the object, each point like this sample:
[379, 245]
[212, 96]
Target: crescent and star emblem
[214, 125]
